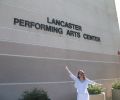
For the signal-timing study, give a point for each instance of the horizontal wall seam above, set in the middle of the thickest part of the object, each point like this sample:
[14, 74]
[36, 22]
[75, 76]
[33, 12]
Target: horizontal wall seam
[35, 57]
[43, 83]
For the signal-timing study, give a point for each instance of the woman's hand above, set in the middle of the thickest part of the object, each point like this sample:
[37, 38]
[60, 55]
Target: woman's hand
[98, 84]
[71, 75]
[66, 67]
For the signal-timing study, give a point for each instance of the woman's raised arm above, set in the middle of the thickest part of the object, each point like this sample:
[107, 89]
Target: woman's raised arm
[71, 75]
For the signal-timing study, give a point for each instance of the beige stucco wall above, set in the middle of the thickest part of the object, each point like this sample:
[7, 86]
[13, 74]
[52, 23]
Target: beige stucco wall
[25, 66]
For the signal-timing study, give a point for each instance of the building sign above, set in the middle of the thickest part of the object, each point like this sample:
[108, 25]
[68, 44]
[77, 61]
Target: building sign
[56, 26]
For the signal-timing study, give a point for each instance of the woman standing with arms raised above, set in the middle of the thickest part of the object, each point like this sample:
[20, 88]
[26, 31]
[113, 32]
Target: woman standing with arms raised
[81, 84]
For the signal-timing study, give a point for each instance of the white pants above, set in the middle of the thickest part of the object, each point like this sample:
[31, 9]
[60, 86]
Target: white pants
[83, 96]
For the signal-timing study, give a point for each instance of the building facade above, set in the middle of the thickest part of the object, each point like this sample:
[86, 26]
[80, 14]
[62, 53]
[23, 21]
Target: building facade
[38, 38]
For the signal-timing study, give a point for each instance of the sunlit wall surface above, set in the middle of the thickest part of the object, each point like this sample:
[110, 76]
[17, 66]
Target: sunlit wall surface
[117, 3]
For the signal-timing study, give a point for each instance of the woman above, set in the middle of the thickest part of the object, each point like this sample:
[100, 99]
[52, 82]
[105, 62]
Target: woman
[81, 84]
